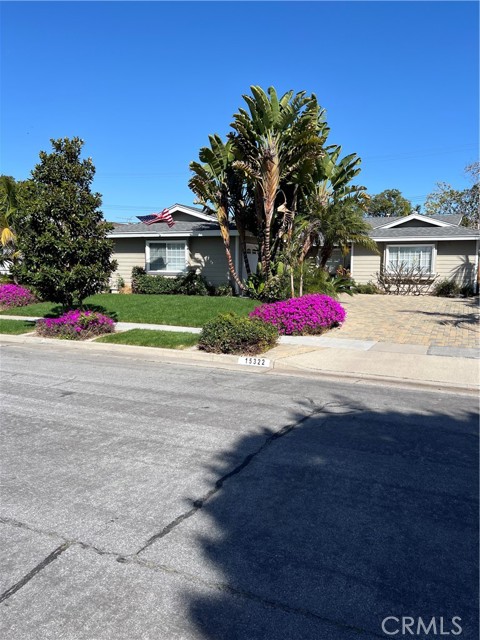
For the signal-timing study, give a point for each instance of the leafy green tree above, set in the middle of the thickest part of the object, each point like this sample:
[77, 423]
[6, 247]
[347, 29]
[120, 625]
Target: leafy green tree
[62, 234]
[447, 200]
[389, 203]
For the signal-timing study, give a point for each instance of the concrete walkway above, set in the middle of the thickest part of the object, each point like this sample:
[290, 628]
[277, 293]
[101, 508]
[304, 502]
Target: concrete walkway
[406, 365]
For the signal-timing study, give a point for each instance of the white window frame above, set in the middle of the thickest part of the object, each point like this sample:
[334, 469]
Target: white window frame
[402, 245]
[165, 272]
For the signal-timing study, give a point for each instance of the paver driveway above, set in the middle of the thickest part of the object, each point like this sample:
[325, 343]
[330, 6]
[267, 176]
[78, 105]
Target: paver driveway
[425, 320]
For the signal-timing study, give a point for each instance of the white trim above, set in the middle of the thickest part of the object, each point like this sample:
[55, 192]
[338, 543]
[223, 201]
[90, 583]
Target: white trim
[475, 274]
[190, 211]
[351, 259]
[173, 235]
[432, 245]
[423, 239]
[416, 216]
[165, 273]
[133, 235]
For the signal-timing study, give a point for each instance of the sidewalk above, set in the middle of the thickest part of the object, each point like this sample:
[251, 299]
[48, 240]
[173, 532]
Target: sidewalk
[410, 365]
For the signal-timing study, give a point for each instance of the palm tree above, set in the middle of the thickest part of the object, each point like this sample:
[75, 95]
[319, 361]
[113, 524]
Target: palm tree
[212, 184]
[333, 209]
[273, 142]
[8, 209]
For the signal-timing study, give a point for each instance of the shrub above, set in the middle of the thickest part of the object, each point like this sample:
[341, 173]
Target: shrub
[467, 290]
[189, 284]
[151, 285]
[136, 273]
[224, 289]
[369, 288]
[446, 289]
[276, 287]
[404, 280]
[310, 314]
[193, 284]
[12, 295]
[317, 280]
[229, 333]
[75, 325]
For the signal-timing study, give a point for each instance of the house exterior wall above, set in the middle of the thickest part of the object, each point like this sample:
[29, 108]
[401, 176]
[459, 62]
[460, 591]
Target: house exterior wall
[208, 256]
[365, 264]
[180, 216]
[336, 260]
[456, 261]
[413, 223]
[129, 253]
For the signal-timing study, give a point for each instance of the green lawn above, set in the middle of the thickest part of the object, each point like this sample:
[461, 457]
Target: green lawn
[185, 311]
[16, 326]
[150, 338]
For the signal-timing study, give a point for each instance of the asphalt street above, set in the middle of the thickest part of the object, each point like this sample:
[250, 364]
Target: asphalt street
[142, 500]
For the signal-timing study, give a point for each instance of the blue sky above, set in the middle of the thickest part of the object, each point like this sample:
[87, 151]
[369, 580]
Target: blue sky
[144, 83]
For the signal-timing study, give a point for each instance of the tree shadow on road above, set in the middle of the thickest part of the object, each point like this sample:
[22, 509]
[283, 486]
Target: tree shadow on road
[348, 518]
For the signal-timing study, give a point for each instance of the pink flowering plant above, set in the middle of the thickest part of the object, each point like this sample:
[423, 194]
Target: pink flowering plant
[12, 295]
[75, 325]
[310, 314]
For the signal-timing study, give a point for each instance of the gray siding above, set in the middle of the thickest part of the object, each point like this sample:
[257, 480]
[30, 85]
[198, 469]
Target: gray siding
[456, 261]
[129, 253]
[208, 256]
[365, 264]
[180, 216]
[415, 223]
[337, 259]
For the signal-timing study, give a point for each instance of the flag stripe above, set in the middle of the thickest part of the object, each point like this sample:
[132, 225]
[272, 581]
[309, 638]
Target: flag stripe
[163, 216]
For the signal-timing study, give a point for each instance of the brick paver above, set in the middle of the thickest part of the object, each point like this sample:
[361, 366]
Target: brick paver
[424, 320]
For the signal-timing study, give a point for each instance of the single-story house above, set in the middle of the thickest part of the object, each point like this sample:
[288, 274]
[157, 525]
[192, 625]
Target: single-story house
[193, 242]
[436, 243]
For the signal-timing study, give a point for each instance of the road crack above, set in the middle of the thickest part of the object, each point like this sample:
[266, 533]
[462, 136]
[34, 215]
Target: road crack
[199, 503]
[31, 574]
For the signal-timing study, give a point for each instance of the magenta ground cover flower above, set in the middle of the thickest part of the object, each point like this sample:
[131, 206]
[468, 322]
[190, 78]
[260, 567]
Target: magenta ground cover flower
[309, 314]
[76, 325]
[13, 295]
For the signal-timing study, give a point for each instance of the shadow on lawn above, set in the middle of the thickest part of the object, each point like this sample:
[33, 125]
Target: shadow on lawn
[58, 311]
[350, 517]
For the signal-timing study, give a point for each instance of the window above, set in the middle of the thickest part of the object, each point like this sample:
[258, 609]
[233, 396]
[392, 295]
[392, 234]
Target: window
[168, 257]
[411, 256]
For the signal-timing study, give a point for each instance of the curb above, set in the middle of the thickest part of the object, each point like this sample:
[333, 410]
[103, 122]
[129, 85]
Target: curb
[226, 361]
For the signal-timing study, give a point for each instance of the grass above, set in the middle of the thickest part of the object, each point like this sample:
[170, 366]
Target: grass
[16, 326]
[184, 311]
[151, 338]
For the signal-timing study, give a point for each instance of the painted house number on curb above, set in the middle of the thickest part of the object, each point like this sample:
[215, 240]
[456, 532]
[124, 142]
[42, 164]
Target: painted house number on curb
[253, 361]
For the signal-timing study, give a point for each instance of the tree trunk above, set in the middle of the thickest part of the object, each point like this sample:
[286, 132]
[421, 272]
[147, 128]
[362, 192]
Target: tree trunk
[272, 180]
[225, 231]
[243, 243]
[325, 254]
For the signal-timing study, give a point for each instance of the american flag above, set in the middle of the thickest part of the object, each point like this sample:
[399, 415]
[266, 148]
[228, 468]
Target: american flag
[163, 216]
